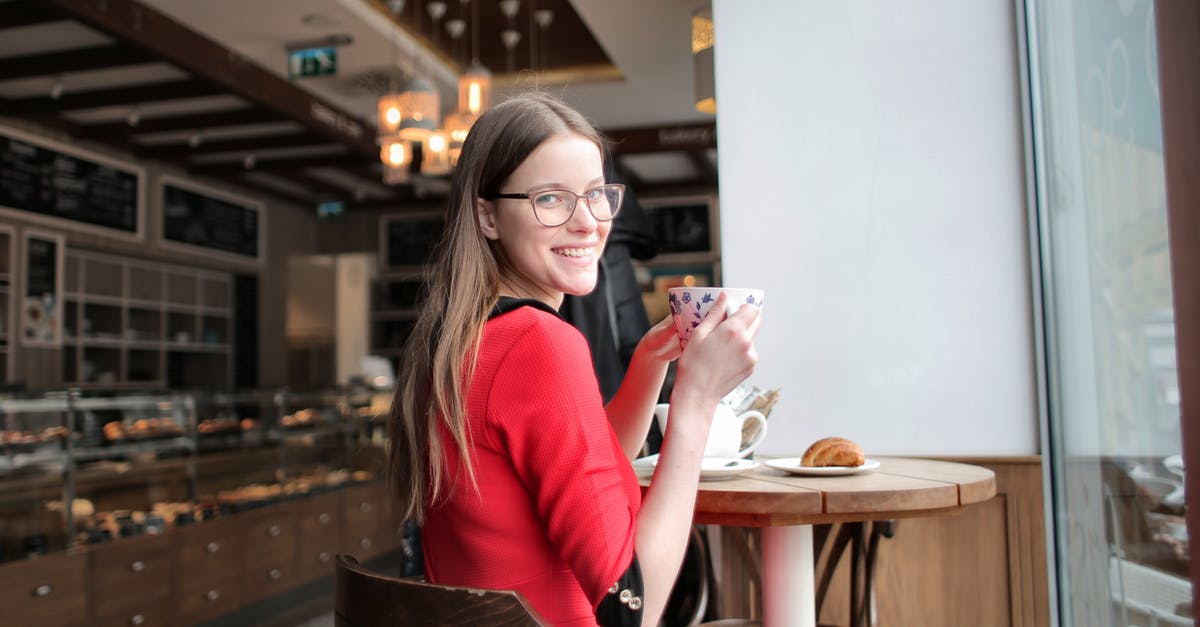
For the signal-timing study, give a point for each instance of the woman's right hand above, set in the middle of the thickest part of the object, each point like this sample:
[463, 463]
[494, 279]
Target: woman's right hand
[720, 353]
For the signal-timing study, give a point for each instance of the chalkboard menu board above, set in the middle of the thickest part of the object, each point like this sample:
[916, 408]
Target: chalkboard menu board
[198, 219]
[409, 240]
[53, 183]
[42, 305]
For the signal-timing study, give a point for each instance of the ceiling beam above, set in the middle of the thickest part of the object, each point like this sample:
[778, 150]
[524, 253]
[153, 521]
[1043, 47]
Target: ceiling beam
[78, 60]
[24, 13]
[185, 122]
[248, 144]
[139, 25]
[276, 165]
[630, 141]
[137, 94]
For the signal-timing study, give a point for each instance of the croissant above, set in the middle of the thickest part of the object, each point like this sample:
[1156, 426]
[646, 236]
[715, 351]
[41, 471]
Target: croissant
[833, 452]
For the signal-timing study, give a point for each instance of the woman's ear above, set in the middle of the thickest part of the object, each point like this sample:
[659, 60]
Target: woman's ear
[486, 211]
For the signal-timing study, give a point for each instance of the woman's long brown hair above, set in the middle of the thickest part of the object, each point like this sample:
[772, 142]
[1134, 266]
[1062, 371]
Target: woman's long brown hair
[461, 288]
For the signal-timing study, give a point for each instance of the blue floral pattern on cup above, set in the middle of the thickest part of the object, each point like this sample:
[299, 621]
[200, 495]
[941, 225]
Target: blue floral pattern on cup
[690, 305]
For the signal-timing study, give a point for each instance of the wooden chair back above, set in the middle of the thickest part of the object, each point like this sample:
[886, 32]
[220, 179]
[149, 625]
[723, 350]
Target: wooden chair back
[366, 599]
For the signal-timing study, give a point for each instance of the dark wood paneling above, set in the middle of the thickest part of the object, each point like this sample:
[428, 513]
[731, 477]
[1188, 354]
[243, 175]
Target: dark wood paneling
[1178, 24]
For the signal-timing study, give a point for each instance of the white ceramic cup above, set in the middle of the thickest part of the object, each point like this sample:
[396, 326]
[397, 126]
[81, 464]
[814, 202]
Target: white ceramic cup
[725, 435]
[689, 305]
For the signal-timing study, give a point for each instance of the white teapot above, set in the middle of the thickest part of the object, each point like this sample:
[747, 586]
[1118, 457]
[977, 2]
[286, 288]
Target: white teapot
[725, 435]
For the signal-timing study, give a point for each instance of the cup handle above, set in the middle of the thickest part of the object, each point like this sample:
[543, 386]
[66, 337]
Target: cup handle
[758, 416]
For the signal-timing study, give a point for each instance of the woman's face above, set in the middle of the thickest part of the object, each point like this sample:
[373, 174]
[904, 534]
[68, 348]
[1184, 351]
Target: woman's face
[546, 262]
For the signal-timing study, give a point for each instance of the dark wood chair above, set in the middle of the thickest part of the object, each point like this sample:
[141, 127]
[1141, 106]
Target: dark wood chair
[366, 599]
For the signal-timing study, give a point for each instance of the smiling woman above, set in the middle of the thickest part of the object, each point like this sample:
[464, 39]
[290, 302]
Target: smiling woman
[501, 443]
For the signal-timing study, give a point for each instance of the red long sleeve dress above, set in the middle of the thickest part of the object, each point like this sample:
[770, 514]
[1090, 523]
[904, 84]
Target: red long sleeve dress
[555, 514]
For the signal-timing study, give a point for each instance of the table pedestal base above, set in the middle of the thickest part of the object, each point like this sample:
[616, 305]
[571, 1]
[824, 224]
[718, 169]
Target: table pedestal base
[788, 595]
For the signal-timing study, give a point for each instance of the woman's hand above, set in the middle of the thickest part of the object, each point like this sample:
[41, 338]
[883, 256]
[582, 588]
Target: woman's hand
[661, 343]
[720, 353]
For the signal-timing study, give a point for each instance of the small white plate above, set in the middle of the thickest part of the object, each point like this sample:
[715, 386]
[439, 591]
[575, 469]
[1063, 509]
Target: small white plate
[711, 468]
[791, 465]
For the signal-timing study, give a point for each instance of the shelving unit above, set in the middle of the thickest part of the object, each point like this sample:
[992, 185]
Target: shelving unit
[8, 297]
[143, 324]
[393, 312]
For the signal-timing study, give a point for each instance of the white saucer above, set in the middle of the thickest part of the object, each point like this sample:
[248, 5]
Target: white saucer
[711, 468]
[791, 465]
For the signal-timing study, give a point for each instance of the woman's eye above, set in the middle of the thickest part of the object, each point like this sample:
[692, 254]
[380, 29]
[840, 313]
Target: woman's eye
[595, 193]
[548, 199]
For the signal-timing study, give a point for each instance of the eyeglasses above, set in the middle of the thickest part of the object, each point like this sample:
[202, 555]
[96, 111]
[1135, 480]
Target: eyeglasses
[554, 207]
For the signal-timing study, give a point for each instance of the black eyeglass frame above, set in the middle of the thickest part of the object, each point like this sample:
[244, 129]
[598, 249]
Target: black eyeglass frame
[574, 203]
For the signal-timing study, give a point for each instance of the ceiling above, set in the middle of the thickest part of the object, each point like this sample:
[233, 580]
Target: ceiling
[203, 86]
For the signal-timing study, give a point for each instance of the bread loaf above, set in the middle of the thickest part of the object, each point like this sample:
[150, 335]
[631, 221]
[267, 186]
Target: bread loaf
[833, 452]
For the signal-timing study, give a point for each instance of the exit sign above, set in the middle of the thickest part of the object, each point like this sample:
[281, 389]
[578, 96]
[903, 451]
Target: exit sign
[312, 62]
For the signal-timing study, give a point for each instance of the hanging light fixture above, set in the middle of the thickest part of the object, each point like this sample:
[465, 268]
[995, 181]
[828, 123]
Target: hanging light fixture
[420, 106]
[394, 151]
[702, 59]
[435, 154]
[475, 85]
[396, 155]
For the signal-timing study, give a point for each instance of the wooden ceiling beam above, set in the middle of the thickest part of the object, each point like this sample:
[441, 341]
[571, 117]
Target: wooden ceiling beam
[186, 122]
[24, 13]
[142, 26]
[247, 144]
[78, 60]
[137, 94]
[274, 166]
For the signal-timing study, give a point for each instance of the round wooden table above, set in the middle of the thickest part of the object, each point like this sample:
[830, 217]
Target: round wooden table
[786, 506]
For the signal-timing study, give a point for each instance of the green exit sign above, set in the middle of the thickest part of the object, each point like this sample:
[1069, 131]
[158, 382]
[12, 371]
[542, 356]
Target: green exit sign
[312, 62]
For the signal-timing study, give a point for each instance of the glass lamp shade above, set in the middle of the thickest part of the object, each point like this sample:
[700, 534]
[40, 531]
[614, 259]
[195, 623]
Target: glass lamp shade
[390, 115]
[475, 89]
[702, 60]
[457, 127]
[420, 106]
[435, 154]
[396, 156]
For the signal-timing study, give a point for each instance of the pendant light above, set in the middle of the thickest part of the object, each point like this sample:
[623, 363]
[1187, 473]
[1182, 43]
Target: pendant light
[702, 60]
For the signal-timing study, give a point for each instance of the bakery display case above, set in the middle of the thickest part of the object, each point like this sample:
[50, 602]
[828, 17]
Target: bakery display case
[178, 508]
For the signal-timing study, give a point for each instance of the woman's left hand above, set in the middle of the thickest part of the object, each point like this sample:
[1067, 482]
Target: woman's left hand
[661, 343]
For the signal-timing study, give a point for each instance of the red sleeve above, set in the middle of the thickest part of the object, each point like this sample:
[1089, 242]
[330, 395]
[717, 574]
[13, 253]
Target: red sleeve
[545, 409]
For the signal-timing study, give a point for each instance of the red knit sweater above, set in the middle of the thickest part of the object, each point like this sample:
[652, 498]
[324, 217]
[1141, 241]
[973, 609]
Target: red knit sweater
[556, 510]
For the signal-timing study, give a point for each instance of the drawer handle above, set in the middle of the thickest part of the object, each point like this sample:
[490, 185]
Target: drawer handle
[365, 543]
[212, 547]
[274, 574]
[323, 518]
[323, 557]
[212, 595]
[137, 619]
[138, 566]
[273, 531]
[364, 507]
[43, 590]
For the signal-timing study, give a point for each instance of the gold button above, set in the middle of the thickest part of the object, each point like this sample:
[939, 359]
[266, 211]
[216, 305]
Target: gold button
[613, 589]
[635, 603]
[626, 595]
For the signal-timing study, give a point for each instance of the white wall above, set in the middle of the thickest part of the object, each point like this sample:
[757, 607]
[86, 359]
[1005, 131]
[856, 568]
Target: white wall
[872, 182]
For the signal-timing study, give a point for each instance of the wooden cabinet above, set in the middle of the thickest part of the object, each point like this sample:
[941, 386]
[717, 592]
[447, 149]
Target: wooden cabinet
[46, 591]
[144, 564]
[269, 545]
[320, 535]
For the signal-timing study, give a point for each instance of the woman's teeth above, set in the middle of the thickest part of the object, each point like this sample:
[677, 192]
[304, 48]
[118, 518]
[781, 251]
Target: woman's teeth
[574, 252]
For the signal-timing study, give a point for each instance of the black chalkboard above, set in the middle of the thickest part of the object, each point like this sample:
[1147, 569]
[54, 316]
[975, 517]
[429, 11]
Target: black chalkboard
[410, 239]
[197, 219]
[48, 182]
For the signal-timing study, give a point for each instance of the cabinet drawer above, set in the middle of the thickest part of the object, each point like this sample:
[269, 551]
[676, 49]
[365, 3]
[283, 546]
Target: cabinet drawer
[46, 591]
[209, 549]
[321, 515]
[138, 614]
[373, 542]
[198, 602]
[143, 565]
[269, 535]
[316, 558]
[267, 579]
[364, 506]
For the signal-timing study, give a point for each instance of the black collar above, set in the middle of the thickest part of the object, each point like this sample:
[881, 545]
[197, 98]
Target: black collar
[508, 303]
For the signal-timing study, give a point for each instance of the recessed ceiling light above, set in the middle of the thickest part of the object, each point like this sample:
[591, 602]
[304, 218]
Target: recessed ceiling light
[320, 20]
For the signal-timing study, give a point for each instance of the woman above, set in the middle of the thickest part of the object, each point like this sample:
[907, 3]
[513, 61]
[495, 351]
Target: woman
[501, 445]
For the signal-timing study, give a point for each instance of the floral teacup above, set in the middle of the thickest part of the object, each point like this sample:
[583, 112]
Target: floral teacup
[689, 305]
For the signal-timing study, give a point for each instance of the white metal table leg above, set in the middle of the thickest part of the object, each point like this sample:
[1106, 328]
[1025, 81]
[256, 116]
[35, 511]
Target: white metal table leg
[789, 597]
